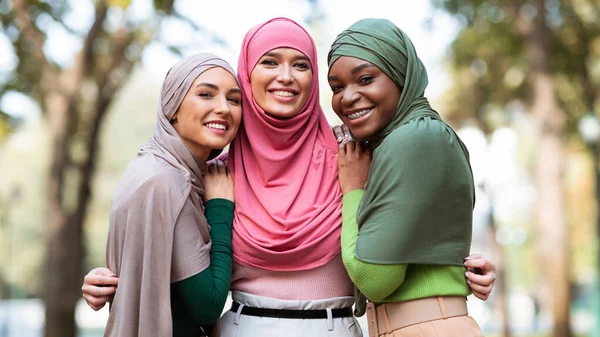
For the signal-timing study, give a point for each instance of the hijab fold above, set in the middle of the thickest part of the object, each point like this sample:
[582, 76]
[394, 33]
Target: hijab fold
[288, 200]
[149, 199]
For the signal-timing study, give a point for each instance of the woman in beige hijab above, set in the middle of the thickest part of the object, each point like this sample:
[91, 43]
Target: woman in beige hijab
[169, 239]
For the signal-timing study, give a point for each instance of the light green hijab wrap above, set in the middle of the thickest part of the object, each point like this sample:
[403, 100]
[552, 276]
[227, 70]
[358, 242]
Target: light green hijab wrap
[419, 197]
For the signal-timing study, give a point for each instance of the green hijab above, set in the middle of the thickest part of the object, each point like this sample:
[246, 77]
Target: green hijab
[418, 201]
[383, 44]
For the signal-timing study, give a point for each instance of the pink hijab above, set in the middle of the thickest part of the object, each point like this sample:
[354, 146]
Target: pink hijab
[288, 200]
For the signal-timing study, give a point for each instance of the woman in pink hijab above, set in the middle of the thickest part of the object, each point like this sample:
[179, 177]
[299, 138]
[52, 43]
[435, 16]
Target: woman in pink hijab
[288, 276]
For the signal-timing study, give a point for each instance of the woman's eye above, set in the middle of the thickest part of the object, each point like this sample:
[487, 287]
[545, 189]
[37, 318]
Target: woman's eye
[234, 100]
[268, 62]
[365, 79]
[336, 88]
[205, 94]
[302, 65]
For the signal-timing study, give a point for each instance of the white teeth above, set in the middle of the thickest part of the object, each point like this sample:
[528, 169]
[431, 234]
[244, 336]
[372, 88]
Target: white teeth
[216, 126]
[283, 93]
[358, 114]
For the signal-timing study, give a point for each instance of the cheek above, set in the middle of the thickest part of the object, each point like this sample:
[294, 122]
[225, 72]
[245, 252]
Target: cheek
[336, 104]
[307, 82]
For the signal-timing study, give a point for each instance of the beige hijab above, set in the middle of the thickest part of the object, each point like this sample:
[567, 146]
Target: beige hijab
[149, 199]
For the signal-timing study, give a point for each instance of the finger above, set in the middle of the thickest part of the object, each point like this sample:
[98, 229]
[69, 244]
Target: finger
[338, 133]
[98, 291]
[485, 280]
[220, 167]
[481, 291]
[346, 131]
[341, 151]
[482, 263]
[95, 307]
[97, 302]
[350, 147]
[474, 256]
[101, 271]
[212, 168]
[481, 296]
[98, 280]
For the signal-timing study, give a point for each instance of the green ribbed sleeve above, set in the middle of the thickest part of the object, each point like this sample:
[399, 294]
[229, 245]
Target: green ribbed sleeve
[394, 282]
[200, 298]
[376, 282]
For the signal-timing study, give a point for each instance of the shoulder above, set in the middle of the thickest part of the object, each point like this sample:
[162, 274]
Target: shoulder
[150, 175]
[422, 130]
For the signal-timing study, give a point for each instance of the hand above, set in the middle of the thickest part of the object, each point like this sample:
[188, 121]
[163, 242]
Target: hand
[354, 163]
[218, 182]
[481, 275]
[99, 287]
[342, 134]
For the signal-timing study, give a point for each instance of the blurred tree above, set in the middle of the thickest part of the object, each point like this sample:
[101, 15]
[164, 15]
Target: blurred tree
[74, 100]
[545, 54]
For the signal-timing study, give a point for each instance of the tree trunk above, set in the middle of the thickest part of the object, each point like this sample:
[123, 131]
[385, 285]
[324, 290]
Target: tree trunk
[64, 236]
[552, 233]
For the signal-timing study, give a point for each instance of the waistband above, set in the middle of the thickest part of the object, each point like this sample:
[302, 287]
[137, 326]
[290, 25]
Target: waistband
[388, 317]
[291, 313]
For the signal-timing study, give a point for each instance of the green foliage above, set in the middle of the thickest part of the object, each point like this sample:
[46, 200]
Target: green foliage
[488, 55]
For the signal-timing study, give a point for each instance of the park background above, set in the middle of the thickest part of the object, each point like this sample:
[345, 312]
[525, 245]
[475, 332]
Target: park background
[519, 80]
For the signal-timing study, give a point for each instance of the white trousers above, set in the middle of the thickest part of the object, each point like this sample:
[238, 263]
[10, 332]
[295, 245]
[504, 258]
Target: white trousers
[234, 324]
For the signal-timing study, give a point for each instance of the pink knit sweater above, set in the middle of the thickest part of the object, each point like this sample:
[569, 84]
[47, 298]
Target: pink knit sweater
[327, 281]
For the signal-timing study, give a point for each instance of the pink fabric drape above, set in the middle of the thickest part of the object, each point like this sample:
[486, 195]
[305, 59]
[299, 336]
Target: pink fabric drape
[288, 200]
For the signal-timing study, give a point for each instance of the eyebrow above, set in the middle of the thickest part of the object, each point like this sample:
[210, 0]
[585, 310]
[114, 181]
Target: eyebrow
[298, 57]
[361, 67]
[213, 86]
[206, 84]
[354, 70]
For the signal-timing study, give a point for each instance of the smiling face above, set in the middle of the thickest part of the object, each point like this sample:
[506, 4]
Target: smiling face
[209, 115]
[364, 97]
[281, 82]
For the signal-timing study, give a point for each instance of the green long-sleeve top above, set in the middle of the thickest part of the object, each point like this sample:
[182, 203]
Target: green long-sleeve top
[395, 282]
[200, 299]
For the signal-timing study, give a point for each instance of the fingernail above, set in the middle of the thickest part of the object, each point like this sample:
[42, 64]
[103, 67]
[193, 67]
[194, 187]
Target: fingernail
[467, 274]
[339, 138]
[467, 258]
[465, 264]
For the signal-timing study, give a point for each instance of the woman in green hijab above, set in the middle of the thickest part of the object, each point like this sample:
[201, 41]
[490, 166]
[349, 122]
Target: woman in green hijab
[408, 188]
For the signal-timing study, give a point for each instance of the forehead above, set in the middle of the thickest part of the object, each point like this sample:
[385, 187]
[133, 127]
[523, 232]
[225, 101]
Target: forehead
[286, 52]
[348, 65]
[216, 75]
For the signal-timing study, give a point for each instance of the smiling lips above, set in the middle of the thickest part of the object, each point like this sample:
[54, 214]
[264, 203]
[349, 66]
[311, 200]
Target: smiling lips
[357, 113]
[217, 126]
[284, 95]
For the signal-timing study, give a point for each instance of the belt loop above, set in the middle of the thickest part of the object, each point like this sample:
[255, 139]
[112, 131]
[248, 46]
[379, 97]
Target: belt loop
[442, 307]
[238, 313]
[329, 320]
[386, 319]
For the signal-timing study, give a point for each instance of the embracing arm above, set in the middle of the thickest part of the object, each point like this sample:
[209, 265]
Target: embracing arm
[205, 293]
[366, 276]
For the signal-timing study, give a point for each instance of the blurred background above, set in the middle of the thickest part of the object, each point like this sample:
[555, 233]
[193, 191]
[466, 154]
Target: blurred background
[519, 80]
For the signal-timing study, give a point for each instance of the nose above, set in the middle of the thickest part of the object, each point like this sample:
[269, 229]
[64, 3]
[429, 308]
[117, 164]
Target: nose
[350, 96]
[222, 105]
[285, 74]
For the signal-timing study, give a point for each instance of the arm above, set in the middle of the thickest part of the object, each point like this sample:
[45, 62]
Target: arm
[353, 165]
[366, 276]
[205, 293]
